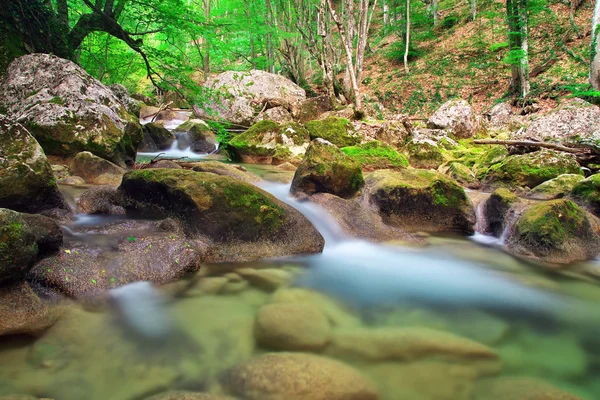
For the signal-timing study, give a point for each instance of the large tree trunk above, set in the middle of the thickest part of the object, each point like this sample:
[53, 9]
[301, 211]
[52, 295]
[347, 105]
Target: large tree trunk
[524, 62]
[595, 53]
[434, 7]
[386, 14]
[206, 60]
[407, 36]
[473, 9]
[517, 18]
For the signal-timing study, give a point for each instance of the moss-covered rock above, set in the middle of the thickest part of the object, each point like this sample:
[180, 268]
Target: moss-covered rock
[156, 137]
[268, 142]
[495, 211]
[18, 249]
[556, 231]
[460, 173]
[91, 168]
[425, 154]
[197, 135]
[326, 169]
[221, 208]
[531, 169]
[555, 188]
[26, 179]
[338, 131]
[376, 155]
[420, 200]
[492, 156]
[231, 170]
[587, 193]
[67, 110]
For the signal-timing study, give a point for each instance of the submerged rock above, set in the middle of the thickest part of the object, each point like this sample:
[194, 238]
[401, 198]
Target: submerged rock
[26, 178]
[223, 209]
[531, 169]
[326, 169]
[338, 131]
[292, 327]
[268, 142]
[67, 110]
[519, 388]
[555, 188]
[101, 200]
[456, 116]
[376, 155]
[495, 211]
[95, 170]
[298, 376]
[181, 395]
[420, 200]
[556, 231]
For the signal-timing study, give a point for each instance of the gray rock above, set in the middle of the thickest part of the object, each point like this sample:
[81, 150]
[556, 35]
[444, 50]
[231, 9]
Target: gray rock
[456, 116]
[93, 168]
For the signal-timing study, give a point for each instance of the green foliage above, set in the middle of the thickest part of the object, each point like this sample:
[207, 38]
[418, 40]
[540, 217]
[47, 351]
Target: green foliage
[451, 20]
[494, 47]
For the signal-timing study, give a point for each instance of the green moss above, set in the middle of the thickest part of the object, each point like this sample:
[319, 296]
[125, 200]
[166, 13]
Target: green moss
[557, 187]
[376, 155]
[587, 192]
[425, 155]
[265, 212]
[338, 131]
[57, 100]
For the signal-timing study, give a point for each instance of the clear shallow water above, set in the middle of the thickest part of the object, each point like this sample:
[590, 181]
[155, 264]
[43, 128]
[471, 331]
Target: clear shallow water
[186, 335]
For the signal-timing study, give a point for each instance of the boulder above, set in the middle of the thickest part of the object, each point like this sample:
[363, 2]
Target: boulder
[67, 110]
[419, 200]
[492, 156]
[460, 173]
[326, 169]
[556, 231]
[587, 193]
[240, 96]
[495, 211]
[132, 105]
[268, 142]
[94, 169]
[219, 168]
[277, 114]
[26, 179]
[456, 116]
[197, 135]
[376, 155]
[18, 248]
[425, 153]
[181, 395]
[22, 312]
[309, 109]
[573, 121]
[531, 169]
[555, 188]
[222, 208]
[46, 231]
[502, 117]
[156, 138]
[101, 200]
[292, 327]
[338, 131]
[297, 376]
[518, 388]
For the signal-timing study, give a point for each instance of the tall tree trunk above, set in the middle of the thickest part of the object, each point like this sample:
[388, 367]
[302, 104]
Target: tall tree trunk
[473, 9]
[524, 62]
[363, 35]
[515, 39]
[407, 36]
[434, 7]
[595, 53]
[206, 61]
[269, 39]
[386, 15]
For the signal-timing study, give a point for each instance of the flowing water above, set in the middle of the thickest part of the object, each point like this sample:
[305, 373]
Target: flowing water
[152, 339]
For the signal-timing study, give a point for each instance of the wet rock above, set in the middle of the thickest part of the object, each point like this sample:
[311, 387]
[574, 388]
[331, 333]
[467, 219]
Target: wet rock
[456, 116]
[67, 110]
[46, 231]
[277, 114]
[409, 344]
[287, 166]
[419, 200]
[72, 181]
[131, 105]
[181, 395]
[165, 164]
[587, 193]
[18, 248]
[495, 211]
[94, 169]
[309, 109]
[268, 142]
[219, 168]
[245, 94]
[22, 312]
[297, 376]
[556, 231]
[519, 388]
[101, 200]
[555, 188]
[531, 169]
[156, 138]
[224, 209]
[376, 155]
[292, 327]
[425, 154]
[26, 178]
[338, 131]
[196, 134]
[326, 169]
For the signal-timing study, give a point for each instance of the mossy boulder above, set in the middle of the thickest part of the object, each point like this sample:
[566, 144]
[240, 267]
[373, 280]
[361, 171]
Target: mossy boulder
[95, 169]
[221, 208]
[556, 231]
[231, 170]
[495, 211]
[26, 180]
[376, 155]
[425, 154]
[18, 248]
[490, 157]
[420, 200]
[531, 169]
[197, 135]
[156, 137]
[587, 193]
[67, 110]
[326, 169]
[555, 188]
[268, 142]
[338, 131]
[460, 173]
